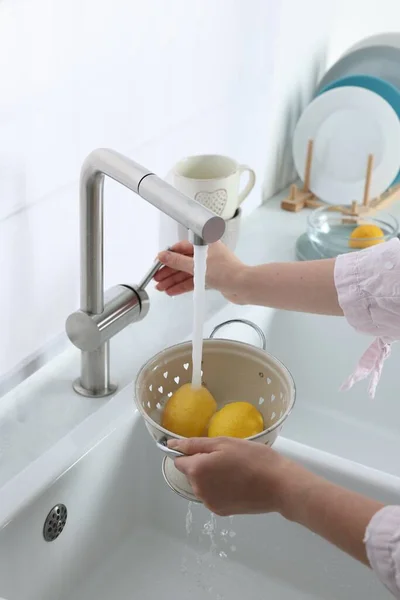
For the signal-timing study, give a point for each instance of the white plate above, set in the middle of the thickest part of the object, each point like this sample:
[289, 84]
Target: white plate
[376, 61]
[390, 38]
[347, 124]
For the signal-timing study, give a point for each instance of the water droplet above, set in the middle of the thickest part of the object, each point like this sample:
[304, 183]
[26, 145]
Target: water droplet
[165, 374]
[269, 381]
[184, 568]
[169, 394]
[261, 401]
[223, 554]
[177, 379]
[161, 389]
[189, 519]
[151, 387]
[273, 398]
[273, 415]
[186, 366]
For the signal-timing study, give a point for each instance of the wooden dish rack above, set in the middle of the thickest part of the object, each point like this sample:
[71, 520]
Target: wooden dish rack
[304, 198]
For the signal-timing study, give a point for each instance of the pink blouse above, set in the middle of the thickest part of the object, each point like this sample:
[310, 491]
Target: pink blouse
[368, 286]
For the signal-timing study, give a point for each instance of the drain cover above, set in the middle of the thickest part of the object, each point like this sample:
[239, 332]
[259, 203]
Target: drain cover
[55, 522]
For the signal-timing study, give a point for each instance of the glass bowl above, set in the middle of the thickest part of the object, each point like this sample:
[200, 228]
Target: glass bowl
[329, 230]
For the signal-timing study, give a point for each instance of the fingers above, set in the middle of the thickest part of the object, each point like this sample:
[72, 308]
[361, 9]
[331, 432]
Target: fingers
[177, 261]
[181, 288]
[196, 450]
[190, 446]
[163, 273]
[183, 247]
[174, 279]
[189, 466]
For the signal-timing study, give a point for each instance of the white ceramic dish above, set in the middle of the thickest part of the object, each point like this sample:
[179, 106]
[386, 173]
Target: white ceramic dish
[127, 536]
[377, 61]
[347, 124]
[390, 38]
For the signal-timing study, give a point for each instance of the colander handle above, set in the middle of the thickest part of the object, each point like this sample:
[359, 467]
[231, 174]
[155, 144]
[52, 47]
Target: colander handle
[162, 445]
[256, 328]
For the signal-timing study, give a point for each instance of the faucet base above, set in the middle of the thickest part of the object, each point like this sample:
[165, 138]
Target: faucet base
[79, 389]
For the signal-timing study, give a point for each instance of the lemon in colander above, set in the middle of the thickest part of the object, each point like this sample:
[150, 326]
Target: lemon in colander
[237, 419]
[188, 411]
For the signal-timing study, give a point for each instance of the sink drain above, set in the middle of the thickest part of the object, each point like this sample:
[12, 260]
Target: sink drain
[55, 522]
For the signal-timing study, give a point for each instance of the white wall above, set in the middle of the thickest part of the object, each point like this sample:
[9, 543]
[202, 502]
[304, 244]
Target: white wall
[154, 79]
[354, 20]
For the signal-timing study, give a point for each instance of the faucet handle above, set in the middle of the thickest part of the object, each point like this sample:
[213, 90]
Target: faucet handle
[150, 274]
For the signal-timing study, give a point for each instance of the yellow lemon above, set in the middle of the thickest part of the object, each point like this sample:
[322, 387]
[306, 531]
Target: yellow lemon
[364, 236]
[188, 411]
[238, 419]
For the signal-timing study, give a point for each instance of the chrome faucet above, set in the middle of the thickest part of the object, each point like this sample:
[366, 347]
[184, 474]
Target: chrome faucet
[102, 315]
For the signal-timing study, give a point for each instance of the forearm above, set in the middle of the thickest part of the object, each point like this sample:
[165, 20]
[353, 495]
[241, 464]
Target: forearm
[297, 286]
[339, 516]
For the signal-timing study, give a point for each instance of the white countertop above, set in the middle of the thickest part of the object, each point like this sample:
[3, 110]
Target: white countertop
[44, 408]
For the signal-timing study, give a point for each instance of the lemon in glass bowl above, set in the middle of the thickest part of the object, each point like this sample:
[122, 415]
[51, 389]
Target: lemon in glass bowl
[330, 232]
[365, 236]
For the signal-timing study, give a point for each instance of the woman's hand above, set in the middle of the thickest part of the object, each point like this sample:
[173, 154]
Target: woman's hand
[224, 271]
[233, 476]
[300, 286]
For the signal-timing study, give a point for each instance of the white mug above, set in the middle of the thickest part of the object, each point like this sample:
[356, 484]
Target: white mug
[213, 180]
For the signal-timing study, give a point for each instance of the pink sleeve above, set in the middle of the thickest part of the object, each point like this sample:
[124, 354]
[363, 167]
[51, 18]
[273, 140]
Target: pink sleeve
[368, 287]
[382, 541]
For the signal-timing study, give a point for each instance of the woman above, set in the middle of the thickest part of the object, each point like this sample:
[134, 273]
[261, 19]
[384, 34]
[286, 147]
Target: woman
[238, 477]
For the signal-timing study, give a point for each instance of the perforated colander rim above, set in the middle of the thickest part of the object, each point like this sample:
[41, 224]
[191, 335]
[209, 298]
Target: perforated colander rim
[208, 341]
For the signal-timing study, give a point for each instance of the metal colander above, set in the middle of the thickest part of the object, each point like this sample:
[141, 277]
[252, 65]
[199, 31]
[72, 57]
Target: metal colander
[232, 371]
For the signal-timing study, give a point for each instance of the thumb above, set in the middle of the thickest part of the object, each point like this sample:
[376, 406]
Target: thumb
[190, 446]
[176, 261]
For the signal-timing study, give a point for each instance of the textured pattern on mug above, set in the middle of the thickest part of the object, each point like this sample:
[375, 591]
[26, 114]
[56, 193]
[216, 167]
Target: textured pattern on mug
[215, 201]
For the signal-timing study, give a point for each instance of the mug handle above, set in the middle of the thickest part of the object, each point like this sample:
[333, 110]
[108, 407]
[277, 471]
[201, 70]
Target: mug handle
[250, 184]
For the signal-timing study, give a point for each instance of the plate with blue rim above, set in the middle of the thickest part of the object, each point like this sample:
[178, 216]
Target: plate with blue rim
[379, 86]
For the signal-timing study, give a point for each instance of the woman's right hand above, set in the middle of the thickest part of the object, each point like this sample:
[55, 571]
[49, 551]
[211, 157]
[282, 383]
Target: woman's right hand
[224, 271]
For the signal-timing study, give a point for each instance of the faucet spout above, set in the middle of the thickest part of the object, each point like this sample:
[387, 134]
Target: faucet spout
[102, 316]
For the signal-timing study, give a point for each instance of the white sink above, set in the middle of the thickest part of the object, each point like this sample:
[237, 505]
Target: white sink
[125, 535]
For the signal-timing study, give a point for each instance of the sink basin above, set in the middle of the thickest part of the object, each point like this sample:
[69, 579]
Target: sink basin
[321, 352]
[128, 536]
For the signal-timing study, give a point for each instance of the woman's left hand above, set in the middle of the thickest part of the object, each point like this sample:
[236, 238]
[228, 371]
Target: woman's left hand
[232, 476]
